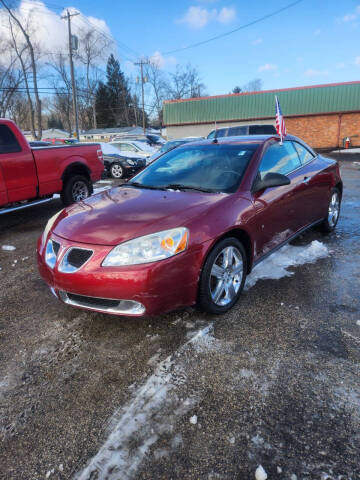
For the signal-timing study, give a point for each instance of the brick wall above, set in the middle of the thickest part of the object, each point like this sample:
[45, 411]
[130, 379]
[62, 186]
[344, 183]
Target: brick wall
[321, 131]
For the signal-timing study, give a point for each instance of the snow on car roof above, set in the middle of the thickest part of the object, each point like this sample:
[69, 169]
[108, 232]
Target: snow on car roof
[108, 149]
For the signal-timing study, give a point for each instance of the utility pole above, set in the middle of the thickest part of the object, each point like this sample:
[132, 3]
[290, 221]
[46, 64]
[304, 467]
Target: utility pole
[141, 63]
[68, 17]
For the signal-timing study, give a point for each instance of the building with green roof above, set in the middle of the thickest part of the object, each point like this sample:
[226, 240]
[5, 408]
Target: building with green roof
[323, 115]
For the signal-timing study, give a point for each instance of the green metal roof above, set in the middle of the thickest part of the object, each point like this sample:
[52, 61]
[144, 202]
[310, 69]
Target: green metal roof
[330, 98]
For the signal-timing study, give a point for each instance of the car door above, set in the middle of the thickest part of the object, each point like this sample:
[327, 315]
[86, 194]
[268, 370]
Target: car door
[277, 209]
[315, 197]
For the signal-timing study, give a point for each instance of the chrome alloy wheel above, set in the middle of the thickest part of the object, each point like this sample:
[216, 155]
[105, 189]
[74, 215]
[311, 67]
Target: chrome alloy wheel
[226, 276]
[116, 170]
[334, 209]
[79, 191]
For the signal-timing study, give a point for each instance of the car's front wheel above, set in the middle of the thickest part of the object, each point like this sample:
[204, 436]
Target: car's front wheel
[329, 223]
[223, 277]
[116, 170]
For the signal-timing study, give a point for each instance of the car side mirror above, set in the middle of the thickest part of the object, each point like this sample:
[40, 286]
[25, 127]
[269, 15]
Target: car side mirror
[271, 179]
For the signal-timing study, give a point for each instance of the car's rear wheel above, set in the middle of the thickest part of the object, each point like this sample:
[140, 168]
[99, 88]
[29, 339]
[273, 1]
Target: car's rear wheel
[329, 223]
[223, 277]
[75, 188]
[116, 170]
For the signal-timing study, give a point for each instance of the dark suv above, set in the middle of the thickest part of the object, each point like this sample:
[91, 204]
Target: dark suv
[242, 130]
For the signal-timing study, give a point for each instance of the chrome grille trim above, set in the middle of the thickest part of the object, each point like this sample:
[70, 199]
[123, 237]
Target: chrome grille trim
[125, 307]
[66, 267]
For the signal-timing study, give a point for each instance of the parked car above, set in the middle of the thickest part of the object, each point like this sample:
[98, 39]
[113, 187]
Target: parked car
[32, 175]
[170, 145]
[119, 165]
[61, 141]
[133, 148]
[189, 227]
[154, 141]
[39, 143]
[242, 130]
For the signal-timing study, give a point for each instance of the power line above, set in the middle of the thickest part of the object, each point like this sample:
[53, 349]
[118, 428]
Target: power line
[241, 27]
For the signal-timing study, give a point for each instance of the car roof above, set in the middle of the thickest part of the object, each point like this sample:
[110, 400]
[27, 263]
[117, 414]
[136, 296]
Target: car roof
[243, 139]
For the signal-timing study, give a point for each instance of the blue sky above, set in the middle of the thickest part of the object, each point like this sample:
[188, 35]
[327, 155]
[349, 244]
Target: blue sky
[316, 41]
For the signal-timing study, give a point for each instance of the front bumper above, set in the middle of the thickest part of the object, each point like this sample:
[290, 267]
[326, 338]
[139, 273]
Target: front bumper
[147, 289]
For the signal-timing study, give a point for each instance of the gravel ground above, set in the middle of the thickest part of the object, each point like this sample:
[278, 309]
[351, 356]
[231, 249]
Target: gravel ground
[275, 382]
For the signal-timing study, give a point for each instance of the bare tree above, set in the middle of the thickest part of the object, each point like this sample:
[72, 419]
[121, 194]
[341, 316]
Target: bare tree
[29, 44]
[62, 102]
[20, 55]
[186, 83]
[93, 46]
[159, 85]
[10, 79]
[253, 86]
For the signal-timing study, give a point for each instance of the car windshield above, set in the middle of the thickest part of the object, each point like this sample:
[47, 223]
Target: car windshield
[213, 168]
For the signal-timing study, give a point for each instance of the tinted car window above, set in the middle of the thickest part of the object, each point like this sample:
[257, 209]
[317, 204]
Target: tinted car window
[304, 154]
[279, 159]
[211, 134]
[221, 132]
[262, 130]
[212, 167]
[237, 131]
[8, 142]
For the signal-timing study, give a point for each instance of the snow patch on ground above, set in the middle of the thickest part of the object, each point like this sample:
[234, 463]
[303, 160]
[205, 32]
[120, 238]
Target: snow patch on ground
[277, 265]
[8, 248]
[153, 410]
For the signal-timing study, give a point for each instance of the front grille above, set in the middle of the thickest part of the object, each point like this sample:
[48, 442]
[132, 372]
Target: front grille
[94, 302]
[77, 257]
[56, 247]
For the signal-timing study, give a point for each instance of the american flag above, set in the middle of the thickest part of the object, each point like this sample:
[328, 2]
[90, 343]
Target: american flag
[280, 123]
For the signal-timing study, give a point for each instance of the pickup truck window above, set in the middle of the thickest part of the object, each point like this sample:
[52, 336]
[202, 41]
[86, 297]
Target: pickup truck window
[8, 142]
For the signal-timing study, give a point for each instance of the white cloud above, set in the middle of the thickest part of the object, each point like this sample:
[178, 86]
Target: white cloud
[311, 72]
[317, 32]
[350, 17]
[47, 29]
[357, 61]
[199, 17]
[257, 41]
[226, 15]
[158, 59]
[267, 67]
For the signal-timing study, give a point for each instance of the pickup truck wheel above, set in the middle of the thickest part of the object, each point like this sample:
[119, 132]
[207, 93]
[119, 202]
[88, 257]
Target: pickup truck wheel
[116, 170]
[76, 188]
[223, 277]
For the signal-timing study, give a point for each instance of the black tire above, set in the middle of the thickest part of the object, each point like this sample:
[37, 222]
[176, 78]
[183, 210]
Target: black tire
[116, 170]
[76, 188]
[329, 223]
[208, 282]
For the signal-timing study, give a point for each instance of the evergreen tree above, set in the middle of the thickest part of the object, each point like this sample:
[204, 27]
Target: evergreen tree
[113, 99]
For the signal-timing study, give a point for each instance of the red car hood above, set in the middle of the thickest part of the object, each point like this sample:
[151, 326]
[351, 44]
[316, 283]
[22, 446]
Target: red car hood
[120, 214]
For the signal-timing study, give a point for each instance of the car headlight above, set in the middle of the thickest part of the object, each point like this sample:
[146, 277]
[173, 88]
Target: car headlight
[130, 162]
[149, 248]
[49, 224]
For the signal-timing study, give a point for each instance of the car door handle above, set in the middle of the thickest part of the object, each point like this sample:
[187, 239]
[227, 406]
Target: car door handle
[306, 180]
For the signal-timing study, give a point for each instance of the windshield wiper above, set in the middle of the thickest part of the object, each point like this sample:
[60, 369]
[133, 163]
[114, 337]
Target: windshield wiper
[179, 186]
[141, 185]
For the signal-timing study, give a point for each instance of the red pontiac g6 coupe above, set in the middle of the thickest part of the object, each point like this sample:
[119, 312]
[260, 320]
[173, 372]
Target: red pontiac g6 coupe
[188, 228]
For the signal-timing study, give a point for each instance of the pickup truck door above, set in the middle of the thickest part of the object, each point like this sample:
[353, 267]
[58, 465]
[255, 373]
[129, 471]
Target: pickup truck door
[17, 167]
[3, 193]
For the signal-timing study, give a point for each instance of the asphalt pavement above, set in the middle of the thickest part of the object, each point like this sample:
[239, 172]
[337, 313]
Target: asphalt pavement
[274, 383]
